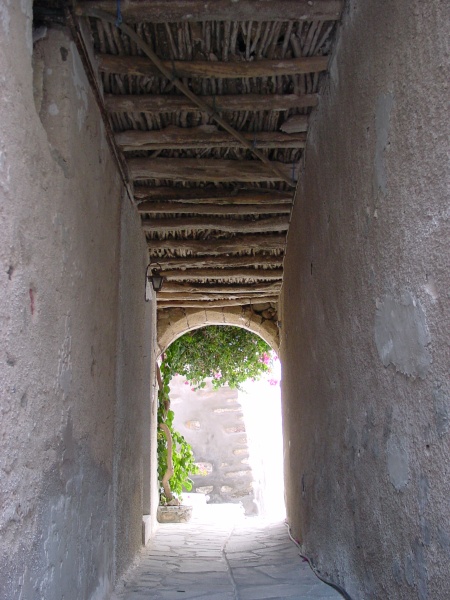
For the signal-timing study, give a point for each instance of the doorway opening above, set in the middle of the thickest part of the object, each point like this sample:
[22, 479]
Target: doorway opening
[235, 434]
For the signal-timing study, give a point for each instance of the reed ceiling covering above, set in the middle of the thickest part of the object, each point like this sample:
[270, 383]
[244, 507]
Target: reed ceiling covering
[207, 106]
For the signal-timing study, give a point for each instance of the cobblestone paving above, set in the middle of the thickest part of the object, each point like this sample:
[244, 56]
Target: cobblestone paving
[220, 555]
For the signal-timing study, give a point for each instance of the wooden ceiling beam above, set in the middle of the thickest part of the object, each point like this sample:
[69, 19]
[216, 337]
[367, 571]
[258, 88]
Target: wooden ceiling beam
[162, 11]
[210, 195]
[162, 304]
[175, 224]
[217, 170]
[146, 103]
[185, 138]
[249, 273]
[212, 209]
[117, 64]
[205, 288]
[256, 242]
[177, 297]
[192, 262]
[170, 73]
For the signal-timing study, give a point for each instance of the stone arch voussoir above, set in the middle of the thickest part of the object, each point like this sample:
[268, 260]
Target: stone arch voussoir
[174, 322]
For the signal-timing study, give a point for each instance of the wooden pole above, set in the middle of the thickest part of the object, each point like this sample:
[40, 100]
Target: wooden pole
[179, 138]
[169, 263]
[216, 303]
[206, 297]
[238, 243]
[204, 288]
[163, 11]
[239, 273]
[119, 64]
[173, 224]
[212, 209]
[210, 169]
[147, 103]
[211, 195]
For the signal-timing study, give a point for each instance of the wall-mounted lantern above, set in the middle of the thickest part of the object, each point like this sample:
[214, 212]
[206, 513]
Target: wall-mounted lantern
[154, 277]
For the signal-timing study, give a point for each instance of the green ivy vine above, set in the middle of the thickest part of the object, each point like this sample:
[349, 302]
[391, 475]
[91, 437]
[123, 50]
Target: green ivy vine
[182, 456]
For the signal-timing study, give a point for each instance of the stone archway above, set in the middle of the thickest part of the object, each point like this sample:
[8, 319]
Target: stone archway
[174, 322]
[213, 422]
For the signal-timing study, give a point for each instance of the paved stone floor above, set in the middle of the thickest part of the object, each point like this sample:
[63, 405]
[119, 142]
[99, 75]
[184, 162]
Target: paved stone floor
[220, 555]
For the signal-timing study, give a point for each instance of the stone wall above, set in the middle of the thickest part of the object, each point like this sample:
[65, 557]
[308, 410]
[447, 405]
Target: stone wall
[71, 301]
[366, 310]
[212, 421]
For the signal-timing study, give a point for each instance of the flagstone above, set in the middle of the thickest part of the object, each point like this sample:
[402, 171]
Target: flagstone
[220, 555]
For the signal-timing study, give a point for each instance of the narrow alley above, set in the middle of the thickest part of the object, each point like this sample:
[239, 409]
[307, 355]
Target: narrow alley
[221, 555]
[281, 166]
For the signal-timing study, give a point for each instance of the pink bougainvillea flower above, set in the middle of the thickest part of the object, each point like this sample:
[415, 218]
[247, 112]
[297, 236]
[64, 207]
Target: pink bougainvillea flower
[273, 381]
[265, 358]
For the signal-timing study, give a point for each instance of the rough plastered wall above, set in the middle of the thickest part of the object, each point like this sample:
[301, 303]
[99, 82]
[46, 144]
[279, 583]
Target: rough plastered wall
[64, 321]
[366, 310]
[135, 431]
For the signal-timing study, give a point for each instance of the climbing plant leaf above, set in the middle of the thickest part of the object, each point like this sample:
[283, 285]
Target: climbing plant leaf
[229, 355]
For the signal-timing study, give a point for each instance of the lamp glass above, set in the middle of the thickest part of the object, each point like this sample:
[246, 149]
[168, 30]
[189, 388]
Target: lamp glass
[157, 280]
